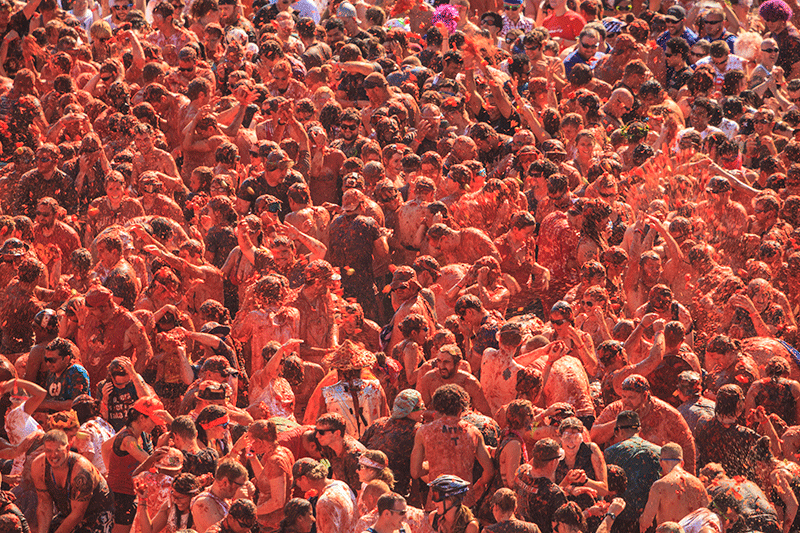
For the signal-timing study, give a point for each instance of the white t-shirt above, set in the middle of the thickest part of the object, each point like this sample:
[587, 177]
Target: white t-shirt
[19, 425]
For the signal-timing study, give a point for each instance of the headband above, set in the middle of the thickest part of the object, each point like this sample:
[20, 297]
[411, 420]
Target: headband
[215, 423]
[366, 461]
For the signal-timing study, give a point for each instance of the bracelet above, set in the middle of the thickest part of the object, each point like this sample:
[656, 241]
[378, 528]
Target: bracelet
[612, 515]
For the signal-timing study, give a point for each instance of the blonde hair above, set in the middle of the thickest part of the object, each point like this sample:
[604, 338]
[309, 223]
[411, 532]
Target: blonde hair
[748, 46]
[100, 30]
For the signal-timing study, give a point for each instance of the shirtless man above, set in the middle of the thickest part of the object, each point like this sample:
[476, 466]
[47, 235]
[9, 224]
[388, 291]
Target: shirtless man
[202, 281]
[148, 157]
[726, 220]
[407, 299]
[73, 484]
[203, 135]
[660, 422]
[460, 246]
[676, 494]
[499, 369]
[106, 331]
[447, 372]
[411, 218]
[451, 445]
[211, 506]
[308, 218]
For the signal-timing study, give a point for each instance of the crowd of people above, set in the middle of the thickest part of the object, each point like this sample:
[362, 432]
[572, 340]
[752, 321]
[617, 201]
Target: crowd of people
[399, 267]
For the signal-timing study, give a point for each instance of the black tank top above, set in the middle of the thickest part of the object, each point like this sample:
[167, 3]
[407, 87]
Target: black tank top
[101, 501]
[776, 397]
[583, 461]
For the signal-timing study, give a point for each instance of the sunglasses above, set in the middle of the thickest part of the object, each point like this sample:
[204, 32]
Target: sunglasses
[401, 513]
[351, 127]
[560, 321]
[511, 8]
[713, 21]
[118, 374]
[123, 6]
[624, 8]
[667, 54]
[771, 50]
[589, 46]
[324, 431]
[696, 54]
[50, 359]
[532, 48]
[588, 303]
[185, 69]
[40, 214]
[761, 121]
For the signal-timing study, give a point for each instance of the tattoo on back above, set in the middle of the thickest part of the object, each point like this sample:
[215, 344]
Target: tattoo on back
[82, 486]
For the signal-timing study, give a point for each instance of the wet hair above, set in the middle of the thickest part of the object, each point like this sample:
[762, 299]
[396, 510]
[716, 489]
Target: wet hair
[729, 397]
[208, 414]
[264, 430]
[517, 412]
[450, 400]
[570, 513]
[334, 420]
[294, 509]
[184, 427]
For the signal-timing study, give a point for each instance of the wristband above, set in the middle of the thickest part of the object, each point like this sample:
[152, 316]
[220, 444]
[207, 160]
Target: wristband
[609, 514]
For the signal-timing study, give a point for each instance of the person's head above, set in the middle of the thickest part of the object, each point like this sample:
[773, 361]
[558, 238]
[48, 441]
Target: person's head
[635, 392]
[722, 351]
[212, 423]
[545, 455]
[447, 492]
[504, 502]
[775, 14]
[570, 430]
[729, 404]
[59, 355]
[569, 519]
[298, 516]
[308, 473]
[450, 400]
[588, 41]
[562, 316]
[714, 24]
[620, 102]
[46, 159]
[56, 448]
[229, 477]
[330, 427]
[447, 360]
[373, 464]
[469, 310]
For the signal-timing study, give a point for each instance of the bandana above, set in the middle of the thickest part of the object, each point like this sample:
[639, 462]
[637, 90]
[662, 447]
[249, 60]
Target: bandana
[215, 423]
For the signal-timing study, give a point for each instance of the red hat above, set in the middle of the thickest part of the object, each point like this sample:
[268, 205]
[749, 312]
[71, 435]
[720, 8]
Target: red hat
[148, 406]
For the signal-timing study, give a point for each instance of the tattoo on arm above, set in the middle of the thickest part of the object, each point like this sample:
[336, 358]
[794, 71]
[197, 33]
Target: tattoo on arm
[82, 486]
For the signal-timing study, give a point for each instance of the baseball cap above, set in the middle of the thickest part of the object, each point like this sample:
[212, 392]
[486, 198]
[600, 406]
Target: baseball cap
[546, 450]
[351, 199]
[215, 328]
[148, 406]
[172, 461]
[675, 14]
[403, 277]
[347, 10]
[277, 159]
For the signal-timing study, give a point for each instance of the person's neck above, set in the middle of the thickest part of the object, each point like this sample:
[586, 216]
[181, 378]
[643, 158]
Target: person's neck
[382, 525]
[216, 490]
[190, 446]
[505, 517]
[48, 230]
[560, 11]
